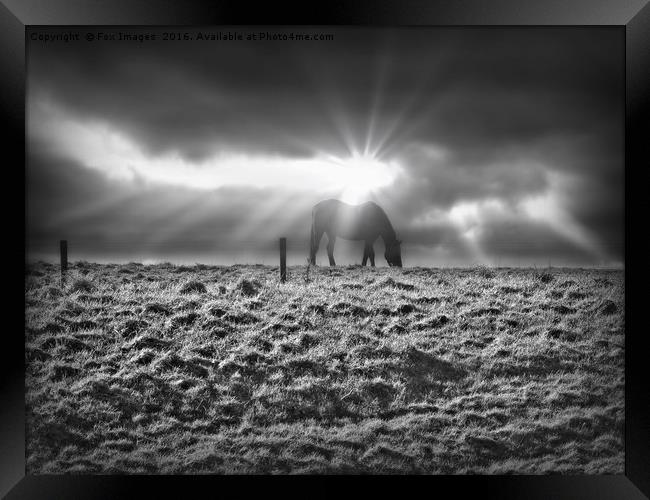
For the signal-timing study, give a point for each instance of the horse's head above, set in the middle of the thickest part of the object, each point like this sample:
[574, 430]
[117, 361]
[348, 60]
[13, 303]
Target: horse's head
[394, 254]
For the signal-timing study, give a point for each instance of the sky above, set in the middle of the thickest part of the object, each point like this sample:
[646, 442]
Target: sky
[494, 146]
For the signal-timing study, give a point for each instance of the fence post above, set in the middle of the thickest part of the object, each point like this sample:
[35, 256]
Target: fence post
[283, 259]
[63, 244]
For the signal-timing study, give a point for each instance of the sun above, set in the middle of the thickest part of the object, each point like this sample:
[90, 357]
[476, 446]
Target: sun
[357, 176]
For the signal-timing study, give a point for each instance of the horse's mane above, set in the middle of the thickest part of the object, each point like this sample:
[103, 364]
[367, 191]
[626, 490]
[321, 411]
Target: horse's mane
[390, 231]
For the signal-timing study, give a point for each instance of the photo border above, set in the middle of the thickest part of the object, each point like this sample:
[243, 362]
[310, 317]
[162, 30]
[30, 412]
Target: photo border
[632, 16]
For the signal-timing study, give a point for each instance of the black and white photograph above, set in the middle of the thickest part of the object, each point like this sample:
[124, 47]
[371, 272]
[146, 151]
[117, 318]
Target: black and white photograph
[325, 250]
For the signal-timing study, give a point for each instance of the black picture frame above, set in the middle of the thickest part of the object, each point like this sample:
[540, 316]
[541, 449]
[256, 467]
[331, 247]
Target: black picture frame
[632, 16]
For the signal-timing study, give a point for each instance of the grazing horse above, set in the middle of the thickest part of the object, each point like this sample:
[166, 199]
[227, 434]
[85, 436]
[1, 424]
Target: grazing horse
[364, 222]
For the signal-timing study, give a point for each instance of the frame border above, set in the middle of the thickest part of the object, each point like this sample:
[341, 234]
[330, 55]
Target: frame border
[631, 15]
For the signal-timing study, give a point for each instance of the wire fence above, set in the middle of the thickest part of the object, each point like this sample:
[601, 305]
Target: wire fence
[514, 253]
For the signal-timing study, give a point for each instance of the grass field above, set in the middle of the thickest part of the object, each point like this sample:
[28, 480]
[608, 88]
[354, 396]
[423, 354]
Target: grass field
[174, 369]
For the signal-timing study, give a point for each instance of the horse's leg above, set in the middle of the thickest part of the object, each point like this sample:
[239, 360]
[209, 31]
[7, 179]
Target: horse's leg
[365, 255]
[371, 254]
[315, 241]
[330, 248]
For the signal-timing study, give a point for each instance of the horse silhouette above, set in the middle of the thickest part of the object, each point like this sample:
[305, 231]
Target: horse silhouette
[364, 222]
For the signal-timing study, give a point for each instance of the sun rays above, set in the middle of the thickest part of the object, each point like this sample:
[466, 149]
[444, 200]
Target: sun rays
[287, 186]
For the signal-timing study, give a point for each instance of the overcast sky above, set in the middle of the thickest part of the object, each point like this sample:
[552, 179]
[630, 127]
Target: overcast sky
[493, 146]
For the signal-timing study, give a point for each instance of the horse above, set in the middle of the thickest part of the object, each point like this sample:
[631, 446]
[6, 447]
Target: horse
[364, 222]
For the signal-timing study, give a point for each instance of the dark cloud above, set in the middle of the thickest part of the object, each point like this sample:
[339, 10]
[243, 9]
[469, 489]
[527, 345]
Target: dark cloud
[471, 89]
[469, 114]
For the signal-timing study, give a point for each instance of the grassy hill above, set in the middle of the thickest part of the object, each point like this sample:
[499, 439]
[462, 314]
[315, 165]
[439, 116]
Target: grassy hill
[167, 369]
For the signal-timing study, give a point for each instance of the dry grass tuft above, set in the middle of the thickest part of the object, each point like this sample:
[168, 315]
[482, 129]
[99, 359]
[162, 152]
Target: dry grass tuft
[484, 271]
[544, 276]
[82, 285]
[248, 287]
[193, 287]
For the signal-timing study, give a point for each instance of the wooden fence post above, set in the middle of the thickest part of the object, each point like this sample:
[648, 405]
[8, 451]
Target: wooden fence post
[63, 244]
[283, 259]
